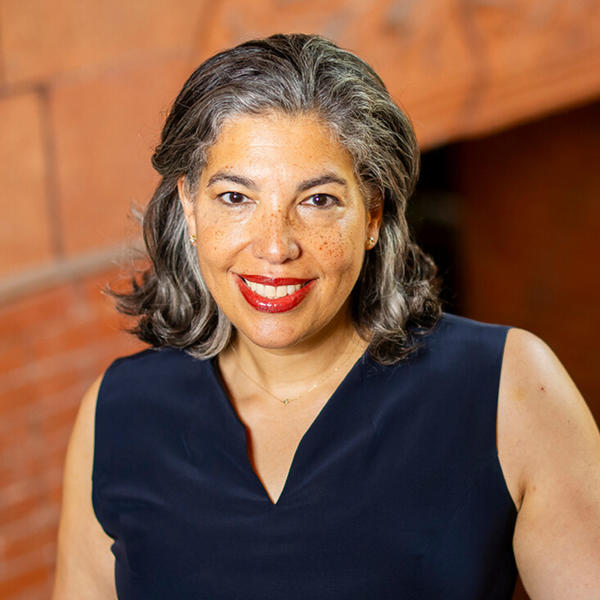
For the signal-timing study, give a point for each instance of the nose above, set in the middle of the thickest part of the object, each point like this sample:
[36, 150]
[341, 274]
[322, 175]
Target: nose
[274, 238]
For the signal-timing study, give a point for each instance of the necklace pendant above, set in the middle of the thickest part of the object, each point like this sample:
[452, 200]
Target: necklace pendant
[285, 401]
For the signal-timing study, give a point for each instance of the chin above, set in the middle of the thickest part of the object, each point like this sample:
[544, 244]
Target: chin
[275, 336]
[274, 341]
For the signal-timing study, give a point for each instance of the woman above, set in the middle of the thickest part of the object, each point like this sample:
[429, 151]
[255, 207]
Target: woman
[308, 424]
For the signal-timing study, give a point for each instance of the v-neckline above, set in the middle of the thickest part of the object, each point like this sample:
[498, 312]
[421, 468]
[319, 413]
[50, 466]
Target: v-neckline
[320, 416]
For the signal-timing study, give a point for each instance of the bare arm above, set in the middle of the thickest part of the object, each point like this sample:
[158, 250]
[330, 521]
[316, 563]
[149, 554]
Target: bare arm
[85, 564]
[549, 448]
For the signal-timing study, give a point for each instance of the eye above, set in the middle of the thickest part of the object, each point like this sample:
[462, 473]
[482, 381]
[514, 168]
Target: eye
[322, 201]
[232, 198]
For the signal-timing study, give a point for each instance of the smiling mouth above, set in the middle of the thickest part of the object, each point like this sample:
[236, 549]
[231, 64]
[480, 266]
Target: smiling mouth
[273, 295]
[272, 291]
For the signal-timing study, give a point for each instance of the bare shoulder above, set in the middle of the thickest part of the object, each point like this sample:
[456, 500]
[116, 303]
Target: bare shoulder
[549, 448]
[84, 562]
[540, 411]
[530, 365]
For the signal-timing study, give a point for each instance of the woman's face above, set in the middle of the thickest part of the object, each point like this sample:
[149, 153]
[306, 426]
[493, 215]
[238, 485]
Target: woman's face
[281, 228]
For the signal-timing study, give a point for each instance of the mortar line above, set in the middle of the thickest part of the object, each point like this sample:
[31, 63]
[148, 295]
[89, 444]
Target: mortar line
[50, 175]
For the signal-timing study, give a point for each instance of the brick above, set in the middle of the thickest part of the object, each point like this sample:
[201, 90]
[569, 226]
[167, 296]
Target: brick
[61, 394]
[13, 435]
[55, 492]
[16, 395]
[103, 305]
[106, 128]
[32, 577]
[457, 72]
[33, 544]
[69, 337]
[44, 373]
[43, 40]
[40, 337]
[35, 592]
[95, 289]
[44, 516]
[53, 476]
[12, 356]
[417, 47]
[27, 485]
[24, 227]
[23, 467]
[236, 21]
[21, 508]
[24, 315]
[56, 426]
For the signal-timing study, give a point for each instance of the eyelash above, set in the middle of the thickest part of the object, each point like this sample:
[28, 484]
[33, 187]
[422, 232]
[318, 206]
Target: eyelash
[226, 198]
[332, 200]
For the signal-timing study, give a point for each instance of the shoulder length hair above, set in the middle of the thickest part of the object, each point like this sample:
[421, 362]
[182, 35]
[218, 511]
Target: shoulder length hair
[395, 298]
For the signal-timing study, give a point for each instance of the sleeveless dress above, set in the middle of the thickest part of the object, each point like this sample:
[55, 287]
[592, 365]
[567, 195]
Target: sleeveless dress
[394, 492]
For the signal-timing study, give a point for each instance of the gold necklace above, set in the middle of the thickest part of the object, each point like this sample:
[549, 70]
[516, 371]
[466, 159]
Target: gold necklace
[286, 401]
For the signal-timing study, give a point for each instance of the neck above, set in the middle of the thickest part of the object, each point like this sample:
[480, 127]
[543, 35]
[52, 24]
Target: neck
[283, 369]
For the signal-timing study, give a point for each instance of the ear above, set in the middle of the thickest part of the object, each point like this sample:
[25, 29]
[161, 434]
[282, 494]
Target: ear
[374, 218]
[187, 204]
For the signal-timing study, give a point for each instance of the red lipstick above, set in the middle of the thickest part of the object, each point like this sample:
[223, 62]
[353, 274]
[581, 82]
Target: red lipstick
[274, 305]
[274, 280]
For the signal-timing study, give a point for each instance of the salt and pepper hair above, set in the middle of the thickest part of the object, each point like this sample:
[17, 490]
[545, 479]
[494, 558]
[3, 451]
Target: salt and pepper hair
[395, 297]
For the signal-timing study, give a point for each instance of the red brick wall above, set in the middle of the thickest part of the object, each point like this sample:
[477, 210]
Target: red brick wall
[84, 86]
[53, 344]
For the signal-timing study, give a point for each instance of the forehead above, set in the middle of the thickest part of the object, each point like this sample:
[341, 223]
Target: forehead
[278, 140]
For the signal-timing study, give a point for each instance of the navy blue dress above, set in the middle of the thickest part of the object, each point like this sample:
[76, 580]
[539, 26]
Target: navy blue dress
[394, 492]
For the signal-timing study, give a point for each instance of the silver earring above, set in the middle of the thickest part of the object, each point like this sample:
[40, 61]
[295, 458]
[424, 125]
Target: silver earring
[371, 241]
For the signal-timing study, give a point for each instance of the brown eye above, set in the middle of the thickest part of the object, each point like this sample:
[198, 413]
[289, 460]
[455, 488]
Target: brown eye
[232, 198]
[322, 201]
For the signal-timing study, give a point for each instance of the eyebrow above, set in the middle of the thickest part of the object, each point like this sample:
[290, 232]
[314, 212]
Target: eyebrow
[307, 184]
[223, 176]
[320, 180]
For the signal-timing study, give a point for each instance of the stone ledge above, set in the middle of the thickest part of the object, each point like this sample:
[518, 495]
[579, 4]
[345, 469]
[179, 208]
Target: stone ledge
[68, 269]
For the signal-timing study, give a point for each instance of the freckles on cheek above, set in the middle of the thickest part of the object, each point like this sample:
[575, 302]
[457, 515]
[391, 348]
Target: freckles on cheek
[335, 247]
[211, 238]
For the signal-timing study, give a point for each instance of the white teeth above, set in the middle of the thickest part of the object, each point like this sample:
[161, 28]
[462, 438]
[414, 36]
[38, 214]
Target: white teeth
[272, 291]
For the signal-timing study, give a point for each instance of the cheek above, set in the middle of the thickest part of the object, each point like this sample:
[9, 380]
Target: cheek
[211, 248]
[339, 250]
[331, 248]
[211, 240]
[213, 234]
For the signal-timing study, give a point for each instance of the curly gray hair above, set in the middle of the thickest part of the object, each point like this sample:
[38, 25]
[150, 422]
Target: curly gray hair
[395, 298]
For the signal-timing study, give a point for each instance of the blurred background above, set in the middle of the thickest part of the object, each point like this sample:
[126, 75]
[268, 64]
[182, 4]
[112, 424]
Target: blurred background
[505, 98]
